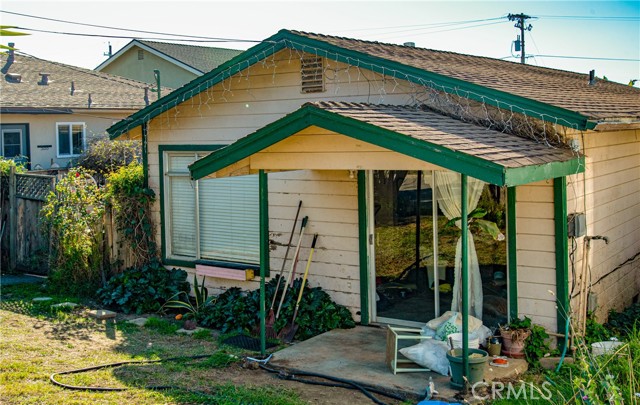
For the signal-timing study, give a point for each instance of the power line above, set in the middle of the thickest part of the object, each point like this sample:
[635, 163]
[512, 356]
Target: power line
[588, 57]
[128, 29]
[586, 17]
[434, 25]
[79, 34]
[435, 32]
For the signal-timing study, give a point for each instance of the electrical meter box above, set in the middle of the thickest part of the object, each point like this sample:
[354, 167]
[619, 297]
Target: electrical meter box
[577, 225]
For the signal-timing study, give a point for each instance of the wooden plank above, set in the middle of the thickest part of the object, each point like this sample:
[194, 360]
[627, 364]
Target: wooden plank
[528, 274]
[535, 226]
[536, 243]
[534, 194]
[225, 273]
[537, 291]
[536, 259]
[535, 210]
[13, 220]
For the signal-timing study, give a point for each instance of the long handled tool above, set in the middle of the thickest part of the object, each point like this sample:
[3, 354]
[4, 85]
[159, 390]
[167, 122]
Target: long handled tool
[271, 317]
[289, 331]
[293, 264]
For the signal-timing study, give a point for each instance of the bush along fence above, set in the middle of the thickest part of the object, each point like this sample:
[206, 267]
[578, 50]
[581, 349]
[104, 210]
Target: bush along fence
[69, 228]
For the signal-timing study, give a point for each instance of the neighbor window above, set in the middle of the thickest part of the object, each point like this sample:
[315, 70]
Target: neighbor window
[71, 138]
[210, 219]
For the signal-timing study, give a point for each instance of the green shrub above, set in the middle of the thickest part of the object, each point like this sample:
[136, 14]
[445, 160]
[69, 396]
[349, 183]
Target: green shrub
[235, 310]
[143, 288]
[131, 201]
[622, 323]
[7, 164]
[73, 215]
[105, 156]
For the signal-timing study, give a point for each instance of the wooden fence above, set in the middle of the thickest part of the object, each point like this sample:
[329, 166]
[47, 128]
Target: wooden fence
[25, 245]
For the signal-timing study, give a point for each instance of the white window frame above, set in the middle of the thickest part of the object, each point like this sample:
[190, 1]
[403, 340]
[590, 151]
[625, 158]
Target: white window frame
[70, 126]
[166, 175]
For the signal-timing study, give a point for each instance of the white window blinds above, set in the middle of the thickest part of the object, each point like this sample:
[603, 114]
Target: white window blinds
[211, 219]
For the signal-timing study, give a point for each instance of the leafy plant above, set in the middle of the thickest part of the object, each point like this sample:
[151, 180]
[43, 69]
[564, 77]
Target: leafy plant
[132, 201]
[73, 214]
[143, 288]
[197, 306]
[518, 329]
[105, 156]
[475, 221]
[594, 331]
[623, 323]
[6, 165]
[536, 345]
[238, 311]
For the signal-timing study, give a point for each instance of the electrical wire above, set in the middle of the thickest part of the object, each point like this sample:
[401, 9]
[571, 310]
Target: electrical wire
[438, 31]
[588, 57]
[586, 17]
[128, 29]
[435, 25]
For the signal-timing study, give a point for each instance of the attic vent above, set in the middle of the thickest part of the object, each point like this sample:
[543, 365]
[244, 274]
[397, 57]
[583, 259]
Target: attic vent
[312, 74]
[140, 54]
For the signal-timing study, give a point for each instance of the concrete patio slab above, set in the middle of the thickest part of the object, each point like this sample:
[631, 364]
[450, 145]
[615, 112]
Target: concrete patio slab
[359, 355]
[65, 305]
[102, 314]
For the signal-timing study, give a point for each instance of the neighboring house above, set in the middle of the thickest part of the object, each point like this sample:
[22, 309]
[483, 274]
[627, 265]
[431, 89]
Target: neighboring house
[352, 128]
[51, 111]
[178, 63]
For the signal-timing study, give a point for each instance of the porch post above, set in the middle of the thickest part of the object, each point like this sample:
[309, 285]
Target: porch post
[264, 253]
[512, 253]
[562, 256]
[465, 275]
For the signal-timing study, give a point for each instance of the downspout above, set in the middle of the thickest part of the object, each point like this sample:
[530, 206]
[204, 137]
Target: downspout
[363, 246]
[264, 254]
[145, 157]
[465, 275]
[562, 255]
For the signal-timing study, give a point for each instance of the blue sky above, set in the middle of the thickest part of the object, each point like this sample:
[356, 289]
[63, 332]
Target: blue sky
[557, 31]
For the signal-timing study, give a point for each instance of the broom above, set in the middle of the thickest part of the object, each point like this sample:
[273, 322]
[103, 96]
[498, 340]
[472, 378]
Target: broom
[271, 317]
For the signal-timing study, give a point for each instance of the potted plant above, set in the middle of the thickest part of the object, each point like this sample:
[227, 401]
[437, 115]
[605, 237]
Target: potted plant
[514, 336]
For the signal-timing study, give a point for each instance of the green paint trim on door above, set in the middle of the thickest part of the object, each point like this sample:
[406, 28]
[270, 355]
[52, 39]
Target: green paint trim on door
[562, 252]
[363, 246]
[512, 253]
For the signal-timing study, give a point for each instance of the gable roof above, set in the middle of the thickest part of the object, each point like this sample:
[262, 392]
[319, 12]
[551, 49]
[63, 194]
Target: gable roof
[418, 132]
[552, 95]
[106, 91]
[196, 59]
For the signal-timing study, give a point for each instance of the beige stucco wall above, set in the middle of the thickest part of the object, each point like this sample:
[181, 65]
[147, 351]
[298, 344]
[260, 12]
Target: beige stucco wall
[128, 65]
[42, 131]
[609, 194]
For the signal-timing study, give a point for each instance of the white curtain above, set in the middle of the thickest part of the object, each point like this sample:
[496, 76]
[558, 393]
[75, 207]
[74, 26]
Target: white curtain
[449, 201]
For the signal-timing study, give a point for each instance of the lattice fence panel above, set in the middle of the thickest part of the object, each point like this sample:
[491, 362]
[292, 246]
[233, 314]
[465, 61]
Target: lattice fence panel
[33, 187]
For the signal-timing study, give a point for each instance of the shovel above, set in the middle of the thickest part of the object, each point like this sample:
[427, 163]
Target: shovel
[293, 264]
[288, 332]
[271, 318]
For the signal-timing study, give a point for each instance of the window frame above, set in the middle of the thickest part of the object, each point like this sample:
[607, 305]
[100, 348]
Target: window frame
[70, 127]
[164, 151]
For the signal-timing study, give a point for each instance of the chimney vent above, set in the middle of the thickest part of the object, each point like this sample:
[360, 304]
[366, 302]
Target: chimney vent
[11, 45]
[13, 77]
[44, 79]
[592, 77]
[410, 44]
[73, 87]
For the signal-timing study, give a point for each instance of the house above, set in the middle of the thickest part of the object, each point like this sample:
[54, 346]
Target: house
[178, 63]
[358, 131]
[51, 111]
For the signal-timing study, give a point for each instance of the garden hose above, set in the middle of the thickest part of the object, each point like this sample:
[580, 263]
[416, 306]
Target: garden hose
[118, 364]
[566, 343]
[337, 382]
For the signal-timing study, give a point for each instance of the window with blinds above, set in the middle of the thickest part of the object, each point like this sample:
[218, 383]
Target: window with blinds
[211, 219]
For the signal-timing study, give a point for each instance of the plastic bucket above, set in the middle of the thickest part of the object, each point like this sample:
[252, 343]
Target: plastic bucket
[456, 338]
[476, 367]
[600, 348]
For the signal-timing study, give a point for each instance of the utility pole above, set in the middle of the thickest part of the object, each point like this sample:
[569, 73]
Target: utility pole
[521, 23]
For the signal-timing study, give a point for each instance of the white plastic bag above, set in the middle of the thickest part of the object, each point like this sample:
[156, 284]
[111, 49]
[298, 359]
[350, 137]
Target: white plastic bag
[429, 353]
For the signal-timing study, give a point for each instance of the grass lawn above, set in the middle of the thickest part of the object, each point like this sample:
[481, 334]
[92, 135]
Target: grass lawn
[36, 341]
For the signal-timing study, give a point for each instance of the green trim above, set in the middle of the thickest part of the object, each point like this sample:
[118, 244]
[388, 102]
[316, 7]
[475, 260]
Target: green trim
[531, 174]
[291, 40]
[464, 285]
[145, 154]
[562, 251]
[309, 115]
[161, 150]
[228, 265]
[264, 254]
[363, 246]
[512, 254]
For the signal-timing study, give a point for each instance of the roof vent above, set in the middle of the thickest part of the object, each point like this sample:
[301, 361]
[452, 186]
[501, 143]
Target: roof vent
[312, 74]
[410, 44]
[13, 77]
[44, 79]
[592, 77]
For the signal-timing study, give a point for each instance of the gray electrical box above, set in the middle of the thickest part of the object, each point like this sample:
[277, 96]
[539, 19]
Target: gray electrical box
[577, 225]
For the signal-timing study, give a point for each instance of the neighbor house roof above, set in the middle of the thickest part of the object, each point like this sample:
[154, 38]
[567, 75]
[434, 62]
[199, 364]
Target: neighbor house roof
[486, 154]
[549, 94]
[68, 87]
[201, 59]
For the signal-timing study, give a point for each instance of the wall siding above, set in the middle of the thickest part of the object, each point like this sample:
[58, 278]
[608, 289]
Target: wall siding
[608, 193]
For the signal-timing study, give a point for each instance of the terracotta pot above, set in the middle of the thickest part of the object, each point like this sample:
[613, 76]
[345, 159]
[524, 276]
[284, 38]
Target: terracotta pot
[513, 348]
[189, 324]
